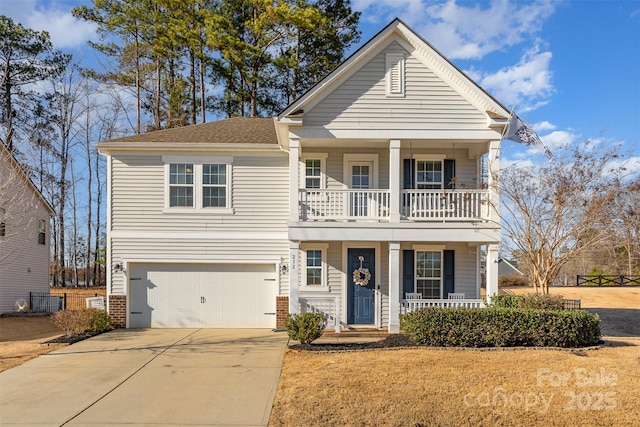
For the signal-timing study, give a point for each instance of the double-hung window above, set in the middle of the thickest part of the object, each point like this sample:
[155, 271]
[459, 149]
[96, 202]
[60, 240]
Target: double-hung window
[198, 183]
[315, 274]
[214, 185]
[42, 232]
[181, 184]
[429, 273]
[313, 171]
[429, 174]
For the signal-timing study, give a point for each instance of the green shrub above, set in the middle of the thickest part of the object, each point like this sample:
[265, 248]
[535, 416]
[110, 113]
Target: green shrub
[528, 301]
[305, 327]
[501, 327]
[99, 320]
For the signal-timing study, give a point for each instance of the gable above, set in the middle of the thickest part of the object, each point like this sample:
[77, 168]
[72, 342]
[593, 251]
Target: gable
[364, 100]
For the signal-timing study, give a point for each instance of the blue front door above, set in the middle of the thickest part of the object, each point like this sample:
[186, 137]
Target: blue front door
[361, 297]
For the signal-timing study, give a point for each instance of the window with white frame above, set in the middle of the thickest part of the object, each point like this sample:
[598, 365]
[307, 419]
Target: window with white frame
[429, 273]
[214, 185]
[181, 184]
[312, 173]
[429, 174]
[203, 183]
[315, 266]
[42, 232]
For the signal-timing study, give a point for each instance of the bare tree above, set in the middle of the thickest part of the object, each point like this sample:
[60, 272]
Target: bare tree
[552, 213]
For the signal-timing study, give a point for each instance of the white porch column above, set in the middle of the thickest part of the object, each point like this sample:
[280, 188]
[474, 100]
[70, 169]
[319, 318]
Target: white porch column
[294, 162]
[394, 287]
[493, 168]
[294, 304]
[395, 180]
[492, 271]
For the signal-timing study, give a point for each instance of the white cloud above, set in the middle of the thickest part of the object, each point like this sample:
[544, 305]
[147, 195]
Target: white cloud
[463, 31]
[559, 139]
[55, 18]
[543, 126]
[527, 84]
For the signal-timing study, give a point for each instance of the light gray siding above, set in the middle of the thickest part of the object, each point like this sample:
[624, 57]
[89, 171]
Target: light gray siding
[24, 262]
[361, 101]
[144, 230]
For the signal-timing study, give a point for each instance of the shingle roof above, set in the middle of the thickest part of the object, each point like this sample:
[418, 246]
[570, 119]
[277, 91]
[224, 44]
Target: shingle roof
[237, 130]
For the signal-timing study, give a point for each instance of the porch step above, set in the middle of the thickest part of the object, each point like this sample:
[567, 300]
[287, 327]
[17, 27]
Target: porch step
[353, 335]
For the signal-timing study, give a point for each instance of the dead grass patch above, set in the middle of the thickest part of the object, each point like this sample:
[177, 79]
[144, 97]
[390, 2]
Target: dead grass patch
[445, 387]
[22, 338]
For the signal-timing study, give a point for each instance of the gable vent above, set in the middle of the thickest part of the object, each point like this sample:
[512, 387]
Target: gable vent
[395, 74]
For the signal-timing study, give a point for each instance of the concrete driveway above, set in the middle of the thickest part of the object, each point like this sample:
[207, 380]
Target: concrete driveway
[151, 376]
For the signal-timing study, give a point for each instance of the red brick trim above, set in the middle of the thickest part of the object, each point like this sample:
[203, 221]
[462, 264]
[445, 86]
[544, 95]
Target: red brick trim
[118, 310]
[282, 311]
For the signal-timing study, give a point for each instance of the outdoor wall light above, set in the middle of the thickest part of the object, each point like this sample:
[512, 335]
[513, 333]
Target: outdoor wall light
[118, 268]
[284, 269]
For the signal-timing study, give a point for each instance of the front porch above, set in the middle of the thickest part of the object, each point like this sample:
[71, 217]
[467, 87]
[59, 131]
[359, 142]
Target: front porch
[401, 277]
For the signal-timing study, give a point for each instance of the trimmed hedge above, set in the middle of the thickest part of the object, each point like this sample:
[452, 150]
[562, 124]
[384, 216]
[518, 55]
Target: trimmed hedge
[501, 327]
[528, 301]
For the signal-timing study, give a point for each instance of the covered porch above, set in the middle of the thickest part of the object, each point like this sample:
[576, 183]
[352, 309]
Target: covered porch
[397, 278]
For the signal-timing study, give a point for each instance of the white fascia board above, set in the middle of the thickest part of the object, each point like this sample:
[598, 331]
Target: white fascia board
[402, 134]
[167, 147]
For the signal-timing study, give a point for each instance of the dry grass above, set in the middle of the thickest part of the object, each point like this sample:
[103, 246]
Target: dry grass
[22, 338]
[466, 387]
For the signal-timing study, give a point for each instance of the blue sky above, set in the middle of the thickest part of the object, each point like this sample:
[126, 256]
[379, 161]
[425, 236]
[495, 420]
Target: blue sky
[570, 68]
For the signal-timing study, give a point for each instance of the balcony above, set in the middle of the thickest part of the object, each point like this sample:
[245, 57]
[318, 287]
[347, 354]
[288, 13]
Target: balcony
[375, 205]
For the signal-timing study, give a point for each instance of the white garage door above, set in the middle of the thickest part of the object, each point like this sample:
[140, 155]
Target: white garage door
[202, 296]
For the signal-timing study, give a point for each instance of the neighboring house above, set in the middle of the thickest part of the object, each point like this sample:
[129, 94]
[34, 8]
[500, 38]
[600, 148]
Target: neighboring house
[508, 268]
[238, 222]
[24, 234]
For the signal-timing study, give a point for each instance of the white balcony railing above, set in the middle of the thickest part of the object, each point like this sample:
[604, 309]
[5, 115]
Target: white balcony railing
[344, 204]
[409, 305]
[415, 205]
[445, 204]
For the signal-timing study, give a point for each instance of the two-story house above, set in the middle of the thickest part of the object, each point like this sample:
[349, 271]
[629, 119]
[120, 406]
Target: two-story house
[362, 199]
[24, 235]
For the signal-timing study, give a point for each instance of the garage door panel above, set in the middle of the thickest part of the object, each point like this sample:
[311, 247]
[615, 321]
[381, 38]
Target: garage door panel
[190, 295]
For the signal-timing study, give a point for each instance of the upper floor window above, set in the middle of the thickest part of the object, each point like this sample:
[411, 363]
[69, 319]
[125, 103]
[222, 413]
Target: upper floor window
[395, 75]
[214, 185]
[204, 183]
[181, 184]
[313, 171]
[3, 227]
[429, 174]
[312, 174]
[42, 232]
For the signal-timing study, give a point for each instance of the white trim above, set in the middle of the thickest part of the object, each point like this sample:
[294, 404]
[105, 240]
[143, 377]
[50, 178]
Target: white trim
[377, 322]
[108, 279]
[395, 61]
[352, 158]
[415, 271]
[198, 185]
[428, 248]
[427, 157]
[324, 279]
[323, 168]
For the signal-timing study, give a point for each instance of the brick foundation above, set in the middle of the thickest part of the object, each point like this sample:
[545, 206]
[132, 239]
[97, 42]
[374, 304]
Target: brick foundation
[282, 311]
[118, 310]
